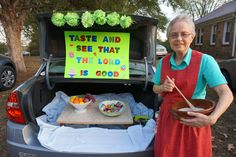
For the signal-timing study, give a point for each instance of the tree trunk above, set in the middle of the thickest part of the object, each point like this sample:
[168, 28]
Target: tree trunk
[13, 18]
[13, 37]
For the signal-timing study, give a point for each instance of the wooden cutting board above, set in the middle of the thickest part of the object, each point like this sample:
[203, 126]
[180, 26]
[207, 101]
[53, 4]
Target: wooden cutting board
[92, 115]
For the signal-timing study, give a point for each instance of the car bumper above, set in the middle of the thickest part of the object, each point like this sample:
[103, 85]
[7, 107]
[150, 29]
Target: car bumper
[22, 141]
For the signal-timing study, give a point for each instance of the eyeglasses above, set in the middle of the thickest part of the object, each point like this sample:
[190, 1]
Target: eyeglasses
[183, 35]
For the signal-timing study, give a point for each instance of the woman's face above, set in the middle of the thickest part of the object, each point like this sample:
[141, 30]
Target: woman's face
[180, 37]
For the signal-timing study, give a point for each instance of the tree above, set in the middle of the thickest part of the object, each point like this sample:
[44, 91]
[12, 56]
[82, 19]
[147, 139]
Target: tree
[141, 7]
[14, 16]
[196, 8]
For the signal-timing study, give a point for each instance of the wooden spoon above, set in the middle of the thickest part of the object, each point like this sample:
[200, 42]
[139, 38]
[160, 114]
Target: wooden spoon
[188, 102]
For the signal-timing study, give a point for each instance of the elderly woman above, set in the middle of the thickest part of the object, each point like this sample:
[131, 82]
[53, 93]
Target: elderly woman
[191, 71]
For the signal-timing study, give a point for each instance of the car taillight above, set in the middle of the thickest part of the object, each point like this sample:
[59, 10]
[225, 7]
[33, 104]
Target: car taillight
[14, 112]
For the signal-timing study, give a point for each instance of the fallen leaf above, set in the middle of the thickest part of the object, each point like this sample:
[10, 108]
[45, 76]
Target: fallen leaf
[230, 147]
[225, 135]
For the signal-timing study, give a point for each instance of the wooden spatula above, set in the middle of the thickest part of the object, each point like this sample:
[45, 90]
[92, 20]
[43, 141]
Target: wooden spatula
[188, 102]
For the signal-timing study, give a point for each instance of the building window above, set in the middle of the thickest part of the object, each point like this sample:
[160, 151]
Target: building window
[213, 34]
[199, 37]
[226, 35]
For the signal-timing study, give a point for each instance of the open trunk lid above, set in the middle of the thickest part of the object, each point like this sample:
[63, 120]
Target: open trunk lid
[142, 36]
[141, 49]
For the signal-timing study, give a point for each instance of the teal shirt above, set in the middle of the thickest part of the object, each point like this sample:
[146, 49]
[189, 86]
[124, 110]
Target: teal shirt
[209, 73]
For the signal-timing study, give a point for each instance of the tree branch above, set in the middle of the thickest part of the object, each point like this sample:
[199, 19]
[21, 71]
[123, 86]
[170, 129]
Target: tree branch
[16, 3]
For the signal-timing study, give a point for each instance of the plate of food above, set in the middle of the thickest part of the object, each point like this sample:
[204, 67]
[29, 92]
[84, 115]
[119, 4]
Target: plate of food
[112, 108]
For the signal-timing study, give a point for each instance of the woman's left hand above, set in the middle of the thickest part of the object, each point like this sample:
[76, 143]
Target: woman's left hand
[198, 120]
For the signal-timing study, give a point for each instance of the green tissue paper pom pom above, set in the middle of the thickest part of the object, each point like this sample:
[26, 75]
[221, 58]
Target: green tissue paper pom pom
[113, 19]
[99, 17]
[87, 19]
[125, 21]
[72, 19]
[58, 19]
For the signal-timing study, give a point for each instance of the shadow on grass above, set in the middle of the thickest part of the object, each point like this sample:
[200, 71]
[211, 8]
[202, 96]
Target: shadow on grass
[3, 99]
[3, 121]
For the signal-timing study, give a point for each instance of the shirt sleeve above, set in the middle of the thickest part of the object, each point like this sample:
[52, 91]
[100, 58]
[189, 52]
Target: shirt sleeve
[157, 76]
[212, 72]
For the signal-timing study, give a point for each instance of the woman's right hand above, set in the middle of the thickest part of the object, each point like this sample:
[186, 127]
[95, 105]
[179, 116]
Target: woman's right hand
[168, 85]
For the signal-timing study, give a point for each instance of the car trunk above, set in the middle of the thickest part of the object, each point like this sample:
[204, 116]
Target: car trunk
[34, 95]
[40, 95]
[40, 90]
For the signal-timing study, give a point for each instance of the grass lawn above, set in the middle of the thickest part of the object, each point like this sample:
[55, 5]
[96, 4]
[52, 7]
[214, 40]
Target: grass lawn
[32, 64]
[3, 99]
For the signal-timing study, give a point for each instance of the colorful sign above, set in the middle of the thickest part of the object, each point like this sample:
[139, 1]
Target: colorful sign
[102, 55]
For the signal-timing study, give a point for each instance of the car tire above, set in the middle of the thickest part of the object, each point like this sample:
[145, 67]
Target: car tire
[7, 77]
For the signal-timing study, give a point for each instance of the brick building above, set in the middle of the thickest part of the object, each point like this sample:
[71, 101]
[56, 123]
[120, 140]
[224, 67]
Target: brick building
[216, 32]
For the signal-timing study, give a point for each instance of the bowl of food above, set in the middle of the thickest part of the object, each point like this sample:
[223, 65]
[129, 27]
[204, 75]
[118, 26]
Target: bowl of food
[80, 102]
[180, 109]
[112, 107]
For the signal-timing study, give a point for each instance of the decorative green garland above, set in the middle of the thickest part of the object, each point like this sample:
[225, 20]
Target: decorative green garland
[113, 19]
[58, 19]
[88, 19]
[100, 17]
[72, 19]
[125, 21]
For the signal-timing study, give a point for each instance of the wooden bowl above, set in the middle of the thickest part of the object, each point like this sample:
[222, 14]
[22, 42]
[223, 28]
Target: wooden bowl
[206, 105]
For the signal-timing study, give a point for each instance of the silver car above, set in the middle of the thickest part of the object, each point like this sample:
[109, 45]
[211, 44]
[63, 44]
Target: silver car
[7, 73]
[26, 102]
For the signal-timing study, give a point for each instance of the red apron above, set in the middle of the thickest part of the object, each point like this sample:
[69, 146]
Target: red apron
[174, 139]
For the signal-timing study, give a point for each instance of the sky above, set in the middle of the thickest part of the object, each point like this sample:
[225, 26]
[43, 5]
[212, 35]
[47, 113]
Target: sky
[1, 34]
[170, 14]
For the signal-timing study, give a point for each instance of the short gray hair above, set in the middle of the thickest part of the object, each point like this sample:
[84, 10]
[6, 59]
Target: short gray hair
[182, 17]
